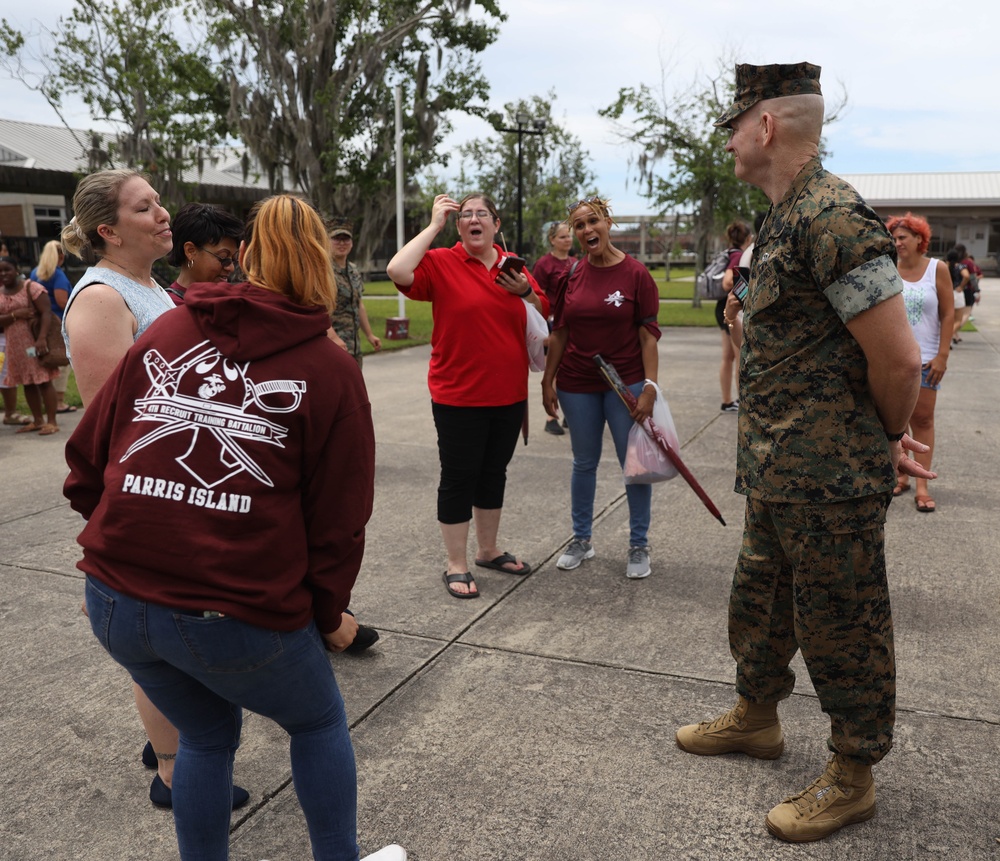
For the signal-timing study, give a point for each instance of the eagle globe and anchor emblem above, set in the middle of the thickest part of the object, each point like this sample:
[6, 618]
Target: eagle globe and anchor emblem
[204, 394]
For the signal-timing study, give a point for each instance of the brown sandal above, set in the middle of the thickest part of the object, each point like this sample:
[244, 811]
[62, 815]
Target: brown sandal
[47, 430]
[29, 428]
[925, 504]
[901, 488]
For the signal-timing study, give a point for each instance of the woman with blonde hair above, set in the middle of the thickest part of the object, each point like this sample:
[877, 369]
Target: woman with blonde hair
[120, 229]
[50, 275]
[547, 271]
[227, 472]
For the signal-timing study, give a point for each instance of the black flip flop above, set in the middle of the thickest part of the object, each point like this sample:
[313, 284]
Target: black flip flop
[504, 558]
[460, 578]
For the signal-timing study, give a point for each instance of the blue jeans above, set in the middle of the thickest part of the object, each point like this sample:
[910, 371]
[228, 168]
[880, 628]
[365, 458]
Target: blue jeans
[586, 415]
[199, 672]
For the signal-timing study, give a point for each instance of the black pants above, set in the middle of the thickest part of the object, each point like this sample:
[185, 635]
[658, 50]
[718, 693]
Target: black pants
[475, 445]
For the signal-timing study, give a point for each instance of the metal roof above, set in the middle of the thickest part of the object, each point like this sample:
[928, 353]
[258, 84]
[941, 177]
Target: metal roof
[31, 145]
[940, 189]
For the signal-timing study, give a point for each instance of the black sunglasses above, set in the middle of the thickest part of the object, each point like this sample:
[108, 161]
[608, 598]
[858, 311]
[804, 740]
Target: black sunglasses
[223, 261]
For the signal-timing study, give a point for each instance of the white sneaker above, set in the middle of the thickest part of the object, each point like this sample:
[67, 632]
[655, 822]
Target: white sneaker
[576, 551]
[638, 563]
[395, 852]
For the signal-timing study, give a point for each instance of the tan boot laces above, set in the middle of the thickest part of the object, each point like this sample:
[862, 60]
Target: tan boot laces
[814, 796]
[733, 717]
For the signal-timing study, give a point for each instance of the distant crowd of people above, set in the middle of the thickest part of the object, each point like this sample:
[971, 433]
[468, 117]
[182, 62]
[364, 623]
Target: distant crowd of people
[226, 418]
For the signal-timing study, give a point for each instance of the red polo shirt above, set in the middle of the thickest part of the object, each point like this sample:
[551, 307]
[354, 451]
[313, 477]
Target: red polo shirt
[478, 352]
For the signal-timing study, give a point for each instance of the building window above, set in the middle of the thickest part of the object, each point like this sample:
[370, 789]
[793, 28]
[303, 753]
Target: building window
[943, 239]
[49, 221]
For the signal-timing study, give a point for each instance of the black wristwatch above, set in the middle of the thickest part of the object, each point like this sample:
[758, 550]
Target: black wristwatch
[894, 437]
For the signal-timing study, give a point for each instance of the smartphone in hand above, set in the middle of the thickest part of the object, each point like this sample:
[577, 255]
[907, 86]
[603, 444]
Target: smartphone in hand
[510, 265]
[741, 276]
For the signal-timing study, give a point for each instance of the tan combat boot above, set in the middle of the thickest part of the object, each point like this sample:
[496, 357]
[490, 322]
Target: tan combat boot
[750, 728]
[842, 795]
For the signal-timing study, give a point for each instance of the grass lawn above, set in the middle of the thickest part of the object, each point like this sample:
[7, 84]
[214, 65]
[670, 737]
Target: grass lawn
[678, 313]
[672, 313]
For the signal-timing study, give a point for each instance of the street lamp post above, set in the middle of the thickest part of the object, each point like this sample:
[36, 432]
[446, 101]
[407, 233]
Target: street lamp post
[537, 127]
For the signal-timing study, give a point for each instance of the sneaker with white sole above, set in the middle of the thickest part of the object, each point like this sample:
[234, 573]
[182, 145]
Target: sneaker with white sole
[394, 852]
[638, 563]
[576, 551]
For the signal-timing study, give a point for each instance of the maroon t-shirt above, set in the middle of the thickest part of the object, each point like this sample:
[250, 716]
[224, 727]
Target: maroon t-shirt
[734, 258]
[547, 271]
[176, 293]
[603, 308]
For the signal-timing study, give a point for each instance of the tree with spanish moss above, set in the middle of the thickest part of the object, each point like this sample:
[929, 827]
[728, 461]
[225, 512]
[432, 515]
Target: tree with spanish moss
[126, 62]
[311, 84]
[679, 155]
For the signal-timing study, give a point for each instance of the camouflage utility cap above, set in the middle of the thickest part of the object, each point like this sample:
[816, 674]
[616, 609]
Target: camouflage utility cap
[757, 83]
[340, 228]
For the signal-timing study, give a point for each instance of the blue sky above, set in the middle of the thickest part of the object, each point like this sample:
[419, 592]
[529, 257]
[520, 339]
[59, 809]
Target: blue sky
[920, 77]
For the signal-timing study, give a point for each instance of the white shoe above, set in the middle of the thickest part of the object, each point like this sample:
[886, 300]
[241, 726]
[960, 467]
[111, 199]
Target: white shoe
[395, 852]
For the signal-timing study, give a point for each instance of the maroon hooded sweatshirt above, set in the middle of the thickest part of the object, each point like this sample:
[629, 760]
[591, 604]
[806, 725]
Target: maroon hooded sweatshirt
[228, 463]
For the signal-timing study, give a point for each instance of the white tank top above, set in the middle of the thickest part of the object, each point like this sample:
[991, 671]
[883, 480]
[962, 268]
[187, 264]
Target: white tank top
[920, 298]
[145, 303]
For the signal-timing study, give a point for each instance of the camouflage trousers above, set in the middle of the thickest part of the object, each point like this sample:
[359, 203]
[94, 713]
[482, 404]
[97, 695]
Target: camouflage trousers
[812, 577]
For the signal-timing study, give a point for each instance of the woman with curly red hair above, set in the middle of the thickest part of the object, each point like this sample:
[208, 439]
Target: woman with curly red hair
[930, 308]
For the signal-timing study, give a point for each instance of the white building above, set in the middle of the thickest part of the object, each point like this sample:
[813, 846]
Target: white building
[960, 207]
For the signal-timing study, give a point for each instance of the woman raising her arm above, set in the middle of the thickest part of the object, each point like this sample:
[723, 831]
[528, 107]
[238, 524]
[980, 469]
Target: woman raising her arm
[478, 375]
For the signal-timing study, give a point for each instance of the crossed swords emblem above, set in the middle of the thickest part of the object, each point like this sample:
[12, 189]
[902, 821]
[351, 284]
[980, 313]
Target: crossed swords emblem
[208, 420]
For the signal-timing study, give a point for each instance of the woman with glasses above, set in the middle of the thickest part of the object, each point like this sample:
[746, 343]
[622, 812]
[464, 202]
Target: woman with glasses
[608, 305]
[204, 249]
[478, 375]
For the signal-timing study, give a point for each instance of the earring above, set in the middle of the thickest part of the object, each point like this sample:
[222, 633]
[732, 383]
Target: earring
[190, 263]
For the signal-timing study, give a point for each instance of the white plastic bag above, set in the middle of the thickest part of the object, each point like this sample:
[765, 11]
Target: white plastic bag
[645, 461]
[536, 330]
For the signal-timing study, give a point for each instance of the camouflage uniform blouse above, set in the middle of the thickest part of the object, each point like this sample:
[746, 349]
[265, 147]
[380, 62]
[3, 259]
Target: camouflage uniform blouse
[346, 317]
[808, 429]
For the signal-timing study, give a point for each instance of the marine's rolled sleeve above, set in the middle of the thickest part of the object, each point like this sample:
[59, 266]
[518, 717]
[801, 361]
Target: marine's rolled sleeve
[864, 287]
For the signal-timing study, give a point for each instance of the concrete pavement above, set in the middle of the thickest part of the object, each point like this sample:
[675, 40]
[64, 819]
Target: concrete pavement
[536, 722]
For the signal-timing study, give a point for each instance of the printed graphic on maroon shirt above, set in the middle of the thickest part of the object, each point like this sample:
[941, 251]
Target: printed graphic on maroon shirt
[205, 395]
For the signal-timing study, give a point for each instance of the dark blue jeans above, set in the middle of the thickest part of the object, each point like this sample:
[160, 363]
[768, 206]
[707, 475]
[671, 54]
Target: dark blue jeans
[199, 672]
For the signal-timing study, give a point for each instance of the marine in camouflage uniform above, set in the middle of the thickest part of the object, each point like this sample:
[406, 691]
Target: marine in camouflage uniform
[814, 463]
[829, 376]
[346, 317]
[813, 458]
